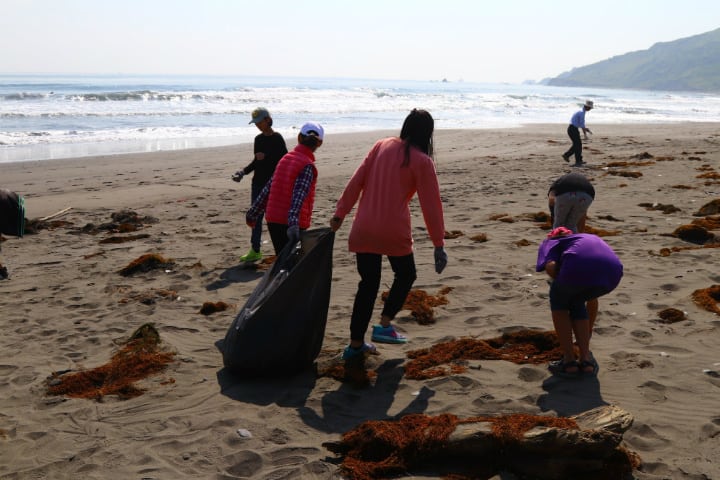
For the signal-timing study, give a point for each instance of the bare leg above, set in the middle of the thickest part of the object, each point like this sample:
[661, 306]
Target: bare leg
[581, 330]
[592, 309]
[564, 331]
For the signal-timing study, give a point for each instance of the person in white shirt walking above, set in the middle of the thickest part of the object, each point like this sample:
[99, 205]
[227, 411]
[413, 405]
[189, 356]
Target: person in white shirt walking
[577, 123]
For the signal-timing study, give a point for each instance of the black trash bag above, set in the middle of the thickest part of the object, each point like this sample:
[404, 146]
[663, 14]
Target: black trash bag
[280, 329]
[12, 213]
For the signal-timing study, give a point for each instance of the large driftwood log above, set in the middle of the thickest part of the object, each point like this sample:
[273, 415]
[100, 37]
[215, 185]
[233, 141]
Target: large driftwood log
[600, 432]
[549, 452]
[591, 451]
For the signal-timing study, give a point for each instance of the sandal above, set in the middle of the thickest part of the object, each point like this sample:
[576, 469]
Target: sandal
[589, 367]
[561, 368]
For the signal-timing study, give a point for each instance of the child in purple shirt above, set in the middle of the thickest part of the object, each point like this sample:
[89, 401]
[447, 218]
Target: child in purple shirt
[582, 267]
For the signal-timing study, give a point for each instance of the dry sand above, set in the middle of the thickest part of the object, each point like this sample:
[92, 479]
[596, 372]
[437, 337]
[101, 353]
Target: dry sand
[66, 307]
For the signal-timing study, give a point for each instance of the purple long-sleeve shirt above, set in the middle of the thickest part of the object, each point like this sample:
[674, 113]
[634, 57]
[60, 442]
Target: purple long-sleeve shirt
[583, 260]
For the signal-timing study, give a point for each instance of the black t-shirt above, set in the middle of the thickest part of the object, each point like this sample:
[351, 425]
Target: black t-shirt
[273, 146]
[572, 182]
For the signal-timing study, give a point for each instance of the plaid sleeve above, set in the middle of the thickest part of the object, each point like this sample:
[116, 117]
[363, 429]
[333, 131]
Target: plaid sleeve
[300, 191]
[260, 203]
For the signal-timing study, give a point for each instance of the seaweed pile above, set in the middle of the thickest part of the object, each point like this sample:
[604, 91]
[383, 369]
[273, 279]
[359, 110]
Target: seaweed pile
[421, 304]
[139, 358]
[146, 263]
[446, 358]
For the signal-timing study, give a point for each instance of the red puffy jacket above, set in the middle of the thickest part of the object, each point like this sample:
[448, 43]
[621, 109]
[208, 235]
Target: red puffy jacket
[281, 189]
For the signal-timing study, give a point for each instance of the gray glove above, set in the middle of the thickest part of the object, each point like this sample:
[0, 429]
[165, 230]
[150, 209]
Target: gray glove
[237, 176]
[293, 234]
[441, 259]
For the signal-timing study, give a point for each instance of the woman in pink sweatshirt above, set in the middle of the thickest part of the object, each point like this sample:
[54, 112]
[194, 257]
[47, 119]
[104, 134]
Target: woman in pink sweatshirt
[385, 182]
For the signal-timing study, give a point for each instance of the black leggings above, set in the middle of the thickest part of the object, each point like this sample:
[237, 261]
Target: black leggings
[278, 236]
[576, 149]
[369, 266]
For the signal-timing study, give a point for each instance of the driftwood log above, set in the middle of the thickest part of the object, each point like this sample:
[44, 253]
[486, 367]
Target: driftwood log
[593, 450]
[550, 452]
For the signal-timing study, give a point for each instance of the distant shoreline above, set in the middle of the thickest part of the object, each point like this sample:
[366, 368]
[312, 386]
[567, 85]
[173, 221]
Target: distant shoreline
[49, 118]
[55, 152]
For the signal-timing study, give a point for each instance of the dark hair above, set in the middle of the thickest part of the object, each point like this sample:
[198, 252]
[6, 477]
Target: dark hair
[417, 131]
[310, 141]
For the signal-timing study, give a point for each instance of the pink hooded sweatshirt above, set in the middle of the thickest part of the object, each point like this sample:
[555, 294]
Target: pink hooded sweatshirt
[385, 187]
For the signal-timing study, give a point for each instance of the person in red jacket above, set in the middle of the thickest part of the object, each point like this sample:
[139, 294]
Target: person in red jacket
[288, 197]
[395, 169]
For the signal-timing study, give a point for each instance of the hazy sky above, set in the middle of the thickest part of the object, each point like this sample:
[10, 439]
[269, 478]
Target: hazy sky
[474, 40]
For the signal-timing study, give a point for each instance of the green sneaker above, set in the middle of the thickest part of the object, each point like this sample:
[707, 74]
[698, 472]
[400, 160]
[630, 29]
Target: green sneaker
[251, 256]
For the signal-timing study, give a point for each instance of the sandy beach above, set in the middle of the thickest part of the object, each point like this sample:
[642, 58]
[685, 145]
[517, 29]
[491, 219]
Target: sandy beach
[66, 307]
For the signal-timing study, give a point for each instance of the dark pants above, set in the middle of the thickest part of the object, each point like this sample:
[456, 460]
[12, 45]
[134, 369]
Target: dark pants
[369, 266]
[256, 236]
[278, 235]
[576, 149]
[574, 298]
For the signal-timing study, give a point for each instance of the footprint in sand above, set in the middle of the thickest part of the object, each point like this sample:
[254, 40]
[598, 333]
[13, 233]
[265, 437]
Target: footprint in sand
[653, 391]
[611, 331]
[531, 374]
[292, 456]
[623, 298]
[644, 438]
[243, 464]
[712, 429]
[642, 336]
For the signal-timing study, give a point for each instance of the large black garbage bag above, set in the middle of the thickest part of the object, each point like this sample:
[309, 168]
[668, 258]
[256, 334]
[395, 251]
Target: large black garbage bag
[12, 213]
[280, 329]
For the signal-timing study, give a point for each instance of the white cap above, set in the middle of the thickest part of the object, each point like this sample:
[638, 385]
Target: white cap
[312, 128]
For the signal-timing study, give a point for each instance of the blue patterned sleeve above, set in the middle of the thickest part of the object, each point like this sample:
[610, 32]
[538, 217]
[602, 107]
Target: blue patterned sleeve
[300, 191]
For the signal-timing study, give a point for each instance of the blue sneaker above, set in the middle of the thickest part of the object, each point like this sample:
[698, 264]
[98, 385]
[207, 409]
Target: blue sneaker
[387, 335]
[366, 348]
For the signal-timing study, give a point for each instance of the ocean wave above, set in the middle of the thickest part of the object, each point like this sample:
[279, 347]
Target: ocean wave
[129, 96]
[23, 96]
[76, 136]
[111, 114]
[136, 96]
[65, 110]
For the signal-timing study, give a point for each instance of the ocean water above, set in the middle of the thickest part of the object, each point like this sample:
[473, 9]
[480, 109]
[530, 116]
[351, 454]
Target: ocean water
[48, 117]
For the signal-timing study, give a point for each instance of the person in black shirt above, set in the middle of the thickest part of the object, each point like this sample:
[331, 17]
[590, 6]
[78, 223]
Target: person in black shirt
[268, 148]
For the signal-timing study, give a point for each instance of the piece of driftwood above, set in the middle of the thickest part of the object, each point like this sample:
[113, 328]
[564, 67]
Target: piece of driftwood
[592, 450]
[550, 452]
[56, 214]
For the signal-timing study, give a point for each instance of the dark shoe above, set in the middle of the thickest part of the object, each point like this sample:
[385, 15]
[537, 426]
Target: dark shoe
[579, 164]
[565, 369]
[589, 367]
[3, 273]
[566, 157]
